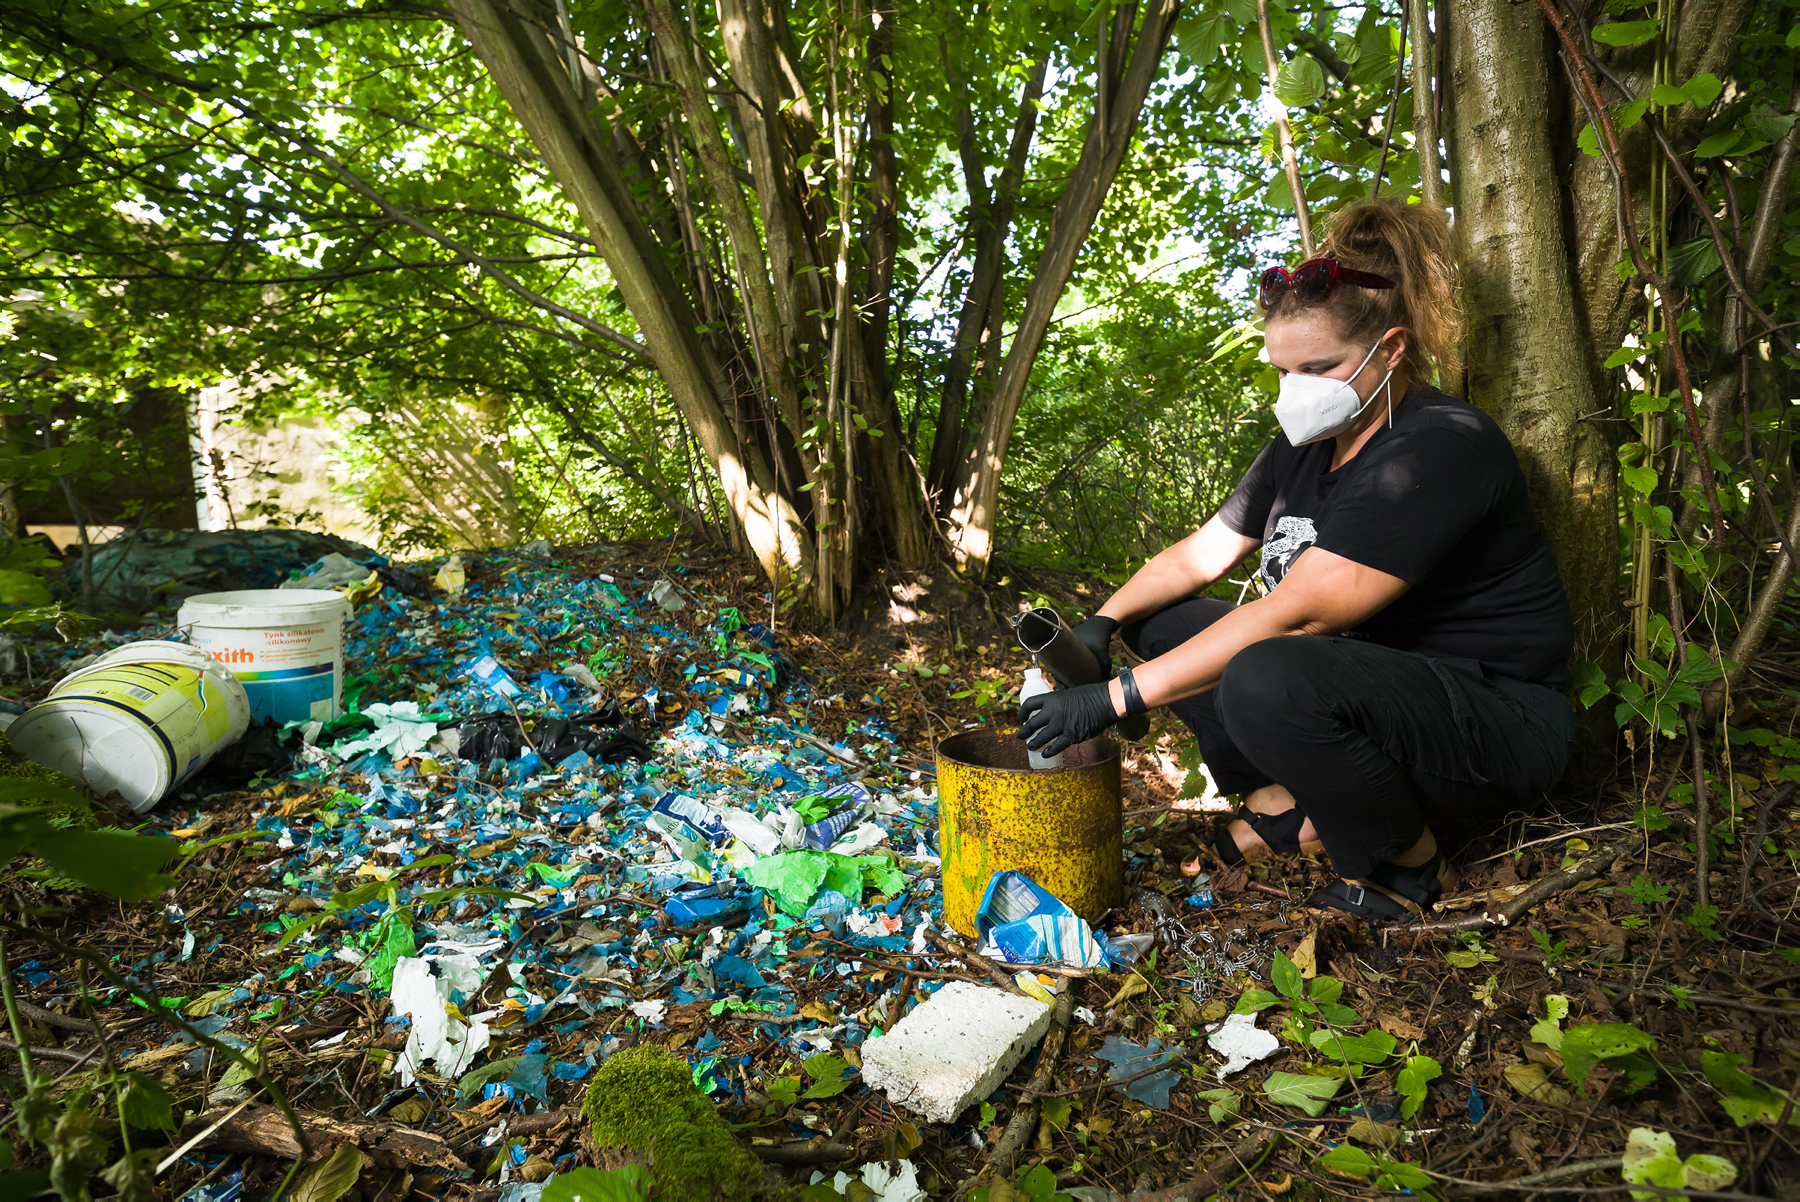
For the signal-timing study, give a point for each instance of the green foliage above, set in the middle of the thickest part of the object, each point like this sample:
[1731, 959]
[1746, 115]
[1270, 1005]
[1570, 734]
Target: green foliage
[118, 863]
[1222, 1105]
[632, 1183]
[331, 1178]
[827, 1071]
[1651, 1159]
[1746, 1099]
[1304, 1092]
[644, 1098]
[1413, 1081]
[1553, 952]
[1382, 1172]
[1619, 1044]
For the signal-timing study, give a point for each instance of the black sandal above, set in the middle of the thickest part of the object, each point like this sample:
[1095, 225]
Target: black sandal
[1279, 832]
[1422, 884]
[1357, 901]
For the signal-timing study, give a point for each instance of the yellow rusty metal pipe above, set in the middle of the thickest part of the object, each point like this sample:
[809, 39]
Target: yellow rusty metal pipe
[1060, 827]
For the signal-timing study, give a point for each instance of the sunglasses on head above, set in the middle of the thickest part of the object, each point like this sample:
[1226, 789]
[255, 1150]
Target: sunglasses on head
[1313, 281]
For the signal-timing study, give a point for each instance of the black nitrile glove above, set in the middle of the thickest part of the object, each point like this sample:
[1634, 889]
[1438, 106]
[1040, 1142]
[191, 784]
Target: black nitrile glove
[1096, 635]
[1051, 722]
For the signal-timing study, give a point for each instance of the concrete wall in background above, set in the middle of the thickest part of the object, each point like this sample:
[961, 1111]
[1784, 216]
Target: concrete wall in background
[279, 475]
[443, 465]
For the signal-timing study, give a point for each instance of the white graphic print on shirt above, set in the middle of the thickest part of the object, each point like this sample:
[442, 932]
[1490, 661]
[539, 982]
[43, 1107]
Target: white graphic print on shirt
[1292, 536]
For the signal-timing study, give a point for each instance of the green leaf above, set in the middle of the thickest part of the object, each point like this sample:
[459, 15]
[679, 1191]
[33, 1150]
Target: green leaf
[629, 1184]
[1589, 684]
[1624, 355]
[1255, 1000]
[1300, 82]
[1372, 1048]
[1347, 1160]
[1286, 977]
[331, 1178]
[827, 1071]
[1403, 1175]
[1707, 1173]
[1692, 261]
[1626, 33]
[1414, 1081]
[1222, 1104]
[1201, 35]
[1039, 1184]
[1548, 1030]
[1324, 989]
[1628, 115]
[1723, 142]
[22, 1184]
[143, 1102]
[1589, 1042]
[117, 863]
[1651, 1159]
[471, 1082]
[1639, 478]
[1302, 1091]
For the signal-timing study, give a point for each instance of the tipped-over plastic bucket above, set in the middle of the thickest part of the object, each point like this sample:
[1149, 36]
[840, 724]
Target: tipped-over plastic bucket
[285, 645]
[139, 720]
[1059, 827]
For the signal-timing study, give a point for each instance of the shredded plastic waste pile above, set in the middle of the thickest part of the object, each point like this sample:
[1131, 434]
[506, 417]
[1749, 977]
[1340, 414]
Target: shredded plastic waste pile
[506, 834]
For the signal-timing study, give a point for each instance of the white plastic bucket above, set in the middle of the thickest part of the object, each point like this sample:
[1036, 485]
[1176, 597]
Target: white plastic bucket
[139, 720]
[285, 645]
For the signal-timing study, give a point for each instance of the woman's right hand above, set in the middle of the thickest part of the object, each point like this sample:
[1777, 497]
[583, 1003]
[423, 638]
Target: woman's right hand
[1096, 635]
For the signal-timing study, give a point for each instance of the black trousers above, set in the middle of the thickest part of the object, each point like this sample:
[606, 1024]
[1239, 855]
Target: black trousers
[1373, 743]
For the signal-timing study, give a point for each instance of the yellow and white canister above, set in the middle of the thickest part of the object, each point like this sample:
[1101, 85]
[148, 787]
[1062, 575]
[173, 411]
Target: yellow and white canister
[138, 721]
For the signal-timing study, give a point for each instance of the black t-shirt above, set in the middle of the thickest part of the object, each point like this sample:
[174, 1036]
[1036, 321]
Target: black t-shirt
[1438, 500]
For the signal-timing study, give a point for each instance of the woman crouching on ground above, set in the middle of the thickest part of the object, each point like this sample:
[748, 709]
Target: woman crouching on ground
[1423, 683]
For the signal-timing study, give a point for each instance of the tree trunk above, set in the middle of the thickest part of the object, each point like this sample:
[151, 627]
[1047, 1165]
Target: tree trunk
[984, 307]
[1530, 360]
[974, 509]
[530, 72]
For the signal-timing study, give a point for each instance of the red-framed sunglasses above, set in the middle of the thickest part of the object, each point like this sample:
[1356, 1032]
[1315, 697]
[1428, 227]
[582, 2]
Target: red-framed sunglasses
[1313, 281]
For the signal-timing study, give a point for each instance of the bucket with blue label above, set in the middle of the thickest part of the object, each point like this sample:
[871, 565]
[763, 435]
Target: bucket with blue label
[286, 646]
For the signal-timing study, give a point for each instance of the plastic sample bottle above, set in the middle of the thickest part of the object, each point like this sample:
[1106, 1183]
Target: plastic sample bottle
[1035, 684]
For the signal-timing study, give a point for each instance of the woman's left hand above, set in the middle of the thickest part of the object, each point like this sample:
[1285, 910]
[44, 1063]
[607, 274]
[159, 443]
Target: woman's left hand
[1051, 722]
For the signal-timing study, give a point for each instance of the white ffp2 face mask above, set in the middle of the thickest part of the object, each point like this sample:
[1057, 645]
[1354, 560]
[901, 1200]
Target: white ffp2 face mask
[1311, 408]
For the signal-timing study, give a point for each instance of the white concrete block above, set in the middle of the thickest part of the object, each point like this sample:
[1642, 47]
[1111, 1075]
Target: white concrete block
[954, 1049]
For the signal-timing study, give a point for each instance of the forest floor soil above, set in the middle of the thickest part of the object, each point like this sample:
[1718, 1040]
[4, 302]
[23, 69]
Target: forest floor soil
[1693, 1005]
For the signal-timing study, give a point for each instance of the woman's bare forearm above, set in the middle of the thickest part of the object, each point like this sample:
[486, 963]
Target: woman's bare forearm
[1179, 571]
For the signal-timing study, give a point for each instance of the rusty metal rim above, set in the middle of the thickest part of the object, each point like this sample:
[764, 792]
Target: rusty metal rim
[1112, 754]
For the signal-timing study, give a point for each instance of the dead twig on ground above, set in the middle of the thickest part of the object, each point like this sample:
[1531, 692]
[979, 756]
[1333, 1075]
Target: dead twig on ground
[975, 960]
[1024, 1122]
[1237, 1163]
[1560, 882]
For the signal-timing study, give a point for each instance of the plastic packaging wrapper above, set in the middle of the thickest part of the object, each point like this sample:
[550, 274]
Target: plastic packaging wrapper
[1241, 1042]
[1020, 922]
[489, 672]
[1129, 1059]
[451, 577]
[450, 1045]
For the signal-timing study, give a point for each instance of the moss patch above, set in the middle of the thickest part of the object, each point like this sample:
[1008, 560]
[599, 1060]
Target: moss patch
[14, 766]
[645, 1099]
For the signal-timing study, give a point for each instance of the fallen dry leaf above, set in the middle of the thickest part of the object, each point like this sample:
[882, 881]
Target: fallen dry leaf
[1379, 1134]
[1306, 956]
[1134, 985]
[1399, 1028]
[1533, 1082]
